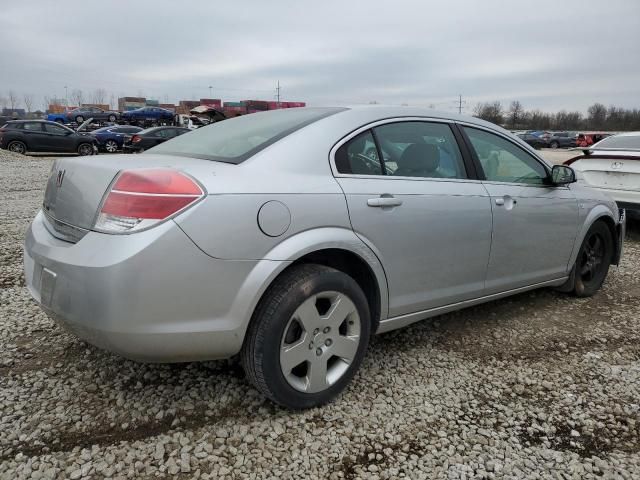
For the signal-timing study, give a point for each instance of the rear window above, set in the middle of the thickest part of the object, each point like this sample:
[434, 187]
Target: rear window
[620, 141]
[237, 139]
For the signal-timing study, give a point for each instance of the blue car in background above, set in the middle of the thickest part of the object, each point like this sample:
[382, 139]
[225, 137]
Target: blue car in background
[152, 115]
[111, 139]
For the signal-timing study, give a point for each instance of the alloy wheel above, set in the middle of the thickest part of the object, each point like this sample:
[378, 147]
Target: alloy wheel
[320, 342]
[592, 257]
[111, 146]
[85, 149]
[17, 147]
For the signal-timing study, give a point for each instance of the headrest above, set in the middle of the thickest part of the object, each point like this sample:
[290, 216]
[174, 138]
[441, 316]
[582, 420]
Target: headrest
[420, 156]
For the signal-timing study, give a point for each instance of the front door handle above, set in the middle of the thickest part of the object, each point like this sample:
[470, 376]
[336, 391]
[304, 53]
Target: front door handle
[384, 202]
[507, 201]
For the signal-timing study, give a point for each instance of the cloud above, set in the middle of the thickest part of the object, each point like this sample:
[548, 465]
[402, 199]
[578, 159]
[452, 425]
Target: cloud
[550, 55]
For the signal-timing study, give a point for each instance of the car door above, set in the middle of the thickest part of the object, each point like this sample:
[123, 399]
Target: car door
[420, 211]
[34, 137]
[534, 223]
[58, 138]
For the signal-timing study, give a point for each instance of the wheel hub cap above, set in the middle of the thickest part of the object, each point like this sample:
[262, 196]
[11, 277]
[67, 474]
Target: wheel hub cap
[319, 342]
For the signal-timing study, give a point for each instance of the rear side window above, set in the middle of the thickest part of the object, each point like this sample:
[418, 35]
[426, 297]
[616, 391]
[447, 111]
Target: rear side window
[239, 138]
[14, 126]
[33, 127]
[420, 149]
[56, 129]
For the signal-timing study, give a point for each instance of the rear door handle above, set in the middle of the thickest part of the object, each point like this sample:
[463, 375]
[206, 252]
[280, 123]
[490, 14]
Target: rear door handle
[384, 202]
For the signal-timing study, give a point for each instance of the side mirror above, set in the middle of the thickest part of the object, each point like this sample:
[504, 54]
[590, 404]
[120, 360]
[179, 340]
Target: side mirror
[562, 175]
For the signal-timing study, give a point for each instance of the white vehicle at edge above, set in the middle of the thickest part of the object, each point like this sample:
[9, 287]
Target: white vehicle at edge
[613, 166]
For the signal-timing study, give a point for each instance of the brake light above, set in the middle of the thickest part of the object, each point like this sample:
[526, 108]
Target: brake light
[136, 139]
[140, 199]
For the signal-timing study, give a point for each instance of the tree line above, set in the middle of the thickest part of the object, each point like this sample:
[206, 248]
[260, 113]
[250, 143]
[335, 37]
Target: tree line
[599, 117]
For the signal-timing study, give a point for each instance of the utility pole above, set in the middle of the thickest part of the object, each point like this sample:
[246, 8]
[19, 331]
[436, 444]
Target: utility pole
[278, 93]
[460, 103]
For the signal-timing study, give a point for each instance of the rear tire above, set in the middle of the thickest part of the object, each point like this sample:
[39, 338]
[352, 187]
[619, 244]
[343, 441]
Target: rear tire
[554, 145]
[307, 337]
[112, 118]
[17, 147]
[592, 265]
[85, 149]
[79, 119]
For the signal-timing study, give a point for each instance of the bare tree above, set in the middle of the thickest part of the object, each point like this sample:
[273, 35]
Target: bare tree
[112, 102]
[46, 101]
[99, 96]
[28, 101]
[77, 96]
[515, 114]
[13, 99]
[597, 115]
[491, 112]
[4, 102]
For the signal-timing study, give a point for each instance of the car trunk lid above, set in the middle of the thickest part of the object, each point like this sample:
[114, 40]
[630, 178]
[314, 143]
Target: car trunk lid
[614, 173]
[77, 186]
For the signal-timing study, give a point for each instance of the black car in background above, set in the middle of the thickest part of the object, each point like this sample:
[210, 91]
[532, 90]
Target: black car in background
[81, 114]
[22, 136]
[562, 140]
[534, 141]
[151, 137]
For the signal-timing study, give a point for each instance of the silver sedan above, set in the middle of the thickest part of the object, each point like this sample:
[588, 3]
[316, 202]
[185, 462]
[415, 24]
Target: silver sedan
[290, 237]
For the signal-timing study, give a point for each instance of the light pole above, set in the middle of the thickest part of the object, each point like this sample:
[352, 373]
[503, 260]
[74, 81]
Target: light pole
[210, 91]
[66, 98]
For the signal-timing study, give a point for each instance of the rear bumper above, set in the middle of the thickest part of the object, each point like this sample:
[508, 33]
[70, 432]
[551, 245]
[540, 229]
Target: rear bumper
[150, 296]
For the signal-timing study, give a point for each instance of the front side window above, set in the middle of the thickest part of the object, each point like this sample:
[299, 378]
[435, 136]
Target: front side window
[420, 149]
[359, 156]
[503, 161]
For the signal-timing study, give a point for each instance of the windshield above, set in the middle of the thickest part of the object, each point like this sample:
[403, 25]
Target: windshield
[237, 139]
[621, 142]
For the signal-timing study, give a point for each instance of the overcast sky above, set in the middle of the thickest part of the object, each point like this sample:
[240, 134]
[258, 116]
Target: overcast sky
[548, 54]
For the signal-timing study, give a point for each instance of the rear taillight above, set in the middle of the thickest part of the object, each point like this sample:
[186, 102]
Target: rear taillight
[136, 139]
[139, 199]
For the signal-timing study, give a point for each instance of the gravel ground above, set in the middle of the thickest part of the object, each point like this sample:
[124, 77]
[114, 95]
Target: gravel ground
[540, 385]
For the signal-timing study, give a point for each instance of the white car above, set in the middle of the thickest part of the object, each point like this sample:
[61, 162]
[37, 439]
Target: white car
[613, 166]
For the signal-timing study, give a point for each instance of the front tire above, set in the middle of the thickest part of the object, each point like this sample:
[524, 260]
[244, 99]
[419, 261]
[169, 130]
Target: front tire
[85, 149]
[79, 119]
[307, 336]
[112, 118]
[592, 264]
[17, 147]
[554, 145]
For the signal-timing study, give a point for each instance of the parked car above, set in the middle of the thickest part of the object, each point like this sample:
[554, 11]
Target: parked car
[24, 136]
[147, 114]
[111, 139]
[535, 142]
[613, 166]
[146, 139]
[562, 140]
[276, 237]
[81, 114]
